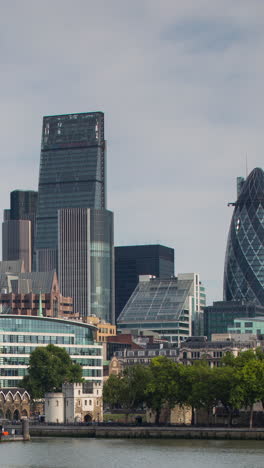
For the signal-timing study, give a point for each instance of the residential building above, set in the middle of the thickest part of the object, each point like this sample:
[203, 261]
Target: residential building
[20, 335]
[244, 263]
[219, 316]
[77, 402]
[165, 306]
[135, 260]
[72, 175]
[198, 348]
[86, 260]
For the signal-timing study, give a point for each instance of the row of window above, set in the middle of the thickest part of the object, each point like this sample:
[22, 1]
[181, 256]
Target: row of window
[37, 339]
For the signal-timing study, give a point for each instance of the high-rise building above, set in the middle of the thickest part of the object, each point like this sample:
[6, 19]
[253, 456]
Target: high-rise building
[244, 262]
[132, 261]
[86, 260]
[72, 175]
[23, 204]
[17, 241]
[19, 227]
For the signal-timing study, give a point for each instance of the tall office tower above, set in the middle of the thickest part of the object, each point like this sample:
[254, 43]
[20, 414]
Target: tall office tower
[244, 262]
[72, 175]
[16, 241]
[135, 260]
[86, 260]
[23, 205]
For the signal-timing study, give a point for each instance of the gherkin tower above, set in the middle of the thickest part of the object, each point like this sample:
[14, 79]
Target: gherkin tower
[244, 262]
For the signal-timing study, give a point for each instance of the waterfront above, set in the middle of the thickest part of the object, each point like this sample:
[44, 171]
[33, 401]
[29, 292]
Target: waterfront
[80, 453]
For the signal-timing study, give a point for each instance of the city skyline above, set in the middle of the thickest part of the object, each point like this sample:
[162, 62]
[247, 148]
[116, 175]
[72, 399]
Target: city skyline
[181, 88]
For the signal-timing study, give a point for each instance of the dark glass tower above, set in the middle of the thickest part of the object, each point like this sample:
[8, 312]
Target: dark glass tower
[134, 260]
[72, 175]
[18, 228]
[244, 263]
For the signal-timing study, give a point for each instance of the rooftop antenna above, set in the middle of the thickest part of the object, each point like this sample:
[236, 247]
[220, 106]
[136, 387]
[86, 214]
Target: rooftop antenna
[246, 165]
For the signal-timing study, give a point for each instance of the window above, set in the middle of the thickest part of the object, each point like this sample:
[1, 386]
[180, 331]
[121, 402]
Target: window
[85, 402]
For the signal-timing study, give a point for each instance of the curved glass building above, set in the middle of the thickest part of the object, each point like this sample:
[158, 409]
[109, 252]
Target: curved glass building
[20, 335]
[244, 262]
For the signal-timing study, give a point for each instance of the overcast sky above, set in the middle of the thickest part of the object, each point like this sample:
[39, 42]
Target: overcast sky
[181, 85]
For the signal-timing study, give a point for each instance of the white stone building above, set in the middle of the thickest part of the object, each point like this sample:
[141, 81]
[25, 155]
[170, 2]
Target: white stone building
[78, 402]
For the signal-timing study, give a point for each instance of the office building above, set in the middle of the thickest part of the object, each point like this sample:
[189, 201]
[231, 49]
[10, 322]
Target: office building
[221, 315]
[72, 175]
[244, 263]
[132, 261]
[20, 335]
[164, 306]
[245, 326]
[17, 241]
[86, 260]
[18, 229]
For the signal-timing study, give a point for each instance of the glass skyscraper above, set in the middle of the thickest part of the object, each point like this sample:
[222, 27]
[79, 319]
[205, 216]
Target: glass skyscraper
[86, 260]
[244, 263]
[72, 175]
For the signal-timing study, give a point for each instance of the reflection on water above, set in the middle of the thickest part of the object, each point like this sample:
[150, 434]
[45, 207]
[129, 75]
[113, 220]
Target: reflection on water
[124, 453]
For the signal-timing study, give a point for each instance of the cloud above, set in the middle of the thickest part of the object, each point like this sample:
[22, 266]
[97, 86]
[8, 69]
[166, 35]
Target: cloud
[181, 87]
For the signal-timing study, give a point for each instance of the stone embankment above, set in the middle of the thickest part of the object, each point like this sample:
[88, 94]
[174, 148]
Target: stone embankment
[146, 432]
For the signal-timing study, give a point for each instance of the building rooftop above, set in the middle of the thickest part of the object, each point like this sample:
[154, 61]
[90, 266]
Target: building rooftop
[157, 300]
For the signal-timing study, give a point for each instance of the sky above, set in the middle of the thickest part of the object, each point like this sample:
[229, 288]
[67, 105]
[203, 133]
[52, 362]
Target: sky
[181, 86]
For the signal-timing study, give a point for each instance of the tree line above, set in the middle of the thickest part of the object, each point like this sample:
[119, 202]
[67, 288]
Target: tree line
[237, 383]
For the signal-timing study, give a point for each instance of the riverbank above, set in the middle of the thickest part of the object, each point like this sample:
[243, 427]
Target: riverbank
[147, 432]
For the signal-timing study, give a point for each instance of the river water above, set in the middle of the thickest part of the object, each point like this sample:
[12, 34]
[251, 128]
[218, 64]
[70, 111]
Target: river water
[124, 453]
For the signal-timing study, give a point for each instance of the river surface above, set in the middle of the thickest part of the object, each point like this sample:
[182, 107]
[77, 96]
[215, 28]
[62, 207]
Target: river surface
[124, 453]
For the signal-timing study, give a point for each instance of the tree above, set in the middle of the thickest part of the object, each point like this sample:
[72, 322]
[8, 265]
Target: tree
[163, 389]
[128, 389]
[252, 381]
[49, 368]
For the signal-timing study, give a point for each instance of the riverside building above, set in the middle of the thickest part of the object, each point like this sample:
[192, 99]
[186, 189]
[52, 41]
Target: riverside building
[20, 335]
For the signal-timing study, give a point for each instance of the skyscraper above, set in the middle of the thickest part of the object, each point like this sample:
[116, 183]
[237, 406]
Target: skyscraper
[86, 260]
[134, 260]
[72, 175]
[19, 227]
[16, 241]
[244, 263]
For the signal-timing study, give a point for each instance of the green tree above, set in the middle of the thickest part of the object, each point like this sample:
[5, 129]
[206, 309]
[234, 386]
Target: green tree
[163, 389]
[49, 368]
[252, 381]
[128, 389]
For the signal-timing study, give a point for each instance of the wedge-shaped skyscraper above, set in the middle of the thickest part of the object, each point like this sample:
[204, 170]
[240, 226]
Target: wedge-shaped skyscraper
[72, 175]
[244, 263]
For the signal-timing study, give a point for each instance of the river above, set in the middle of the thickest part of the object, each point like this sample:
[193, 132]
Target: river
[124, 453]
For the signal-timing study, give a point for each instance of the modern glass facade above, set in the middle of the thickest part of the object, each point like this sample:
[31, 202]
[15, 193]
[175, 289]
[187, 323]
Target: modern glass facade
[221, 315]
[244, 263]
[134, 260]
[162, 306]
[72, 174]
[86, 260]
[20, 335]
[254, 326]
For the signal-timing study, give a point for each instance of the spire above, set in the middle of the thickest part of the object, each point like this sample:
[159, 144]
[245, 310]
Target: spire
[40, 314]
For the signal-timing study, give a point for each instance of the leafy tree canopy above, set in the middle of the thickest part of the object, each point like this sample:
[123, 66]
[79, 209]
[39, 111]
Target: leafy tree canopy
[49, 368]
